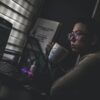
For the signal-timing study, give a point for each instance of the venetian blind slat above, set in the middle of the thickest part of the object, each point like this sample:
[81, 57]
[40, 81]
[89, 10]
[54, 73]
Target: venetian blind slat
[16, 7]
[16, 41]
[24, 4]
[14, 16]
[14, 48]
[17, 34]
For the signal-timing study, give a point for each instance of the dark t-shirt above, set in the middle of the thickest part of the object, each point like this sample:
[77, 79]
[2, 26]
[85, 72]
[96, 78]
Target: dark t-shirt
[81, 83]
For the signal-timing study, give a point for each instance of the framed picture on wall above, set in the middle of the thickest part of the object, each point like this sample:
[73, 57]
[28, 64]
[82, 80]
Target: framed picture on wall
[44, 31]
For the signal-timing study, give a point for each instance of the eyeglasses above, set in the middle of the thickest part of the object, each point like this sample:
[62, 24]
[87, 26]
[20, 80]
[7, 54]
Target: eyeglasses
[75, 34]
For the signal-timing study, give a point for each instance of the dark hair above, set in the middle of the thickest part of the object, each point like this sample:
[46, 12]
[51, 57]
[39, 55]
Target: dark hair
[92, 25]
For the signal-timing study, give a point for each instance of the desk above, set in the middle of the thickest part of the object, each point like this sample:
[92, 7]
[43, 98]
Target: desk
[17, 87]
[11, 89]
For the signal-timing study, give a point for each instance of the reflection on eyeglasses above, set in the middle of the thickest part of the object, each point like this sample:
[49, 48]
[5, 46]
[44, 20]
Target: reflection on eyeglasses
[75, 34]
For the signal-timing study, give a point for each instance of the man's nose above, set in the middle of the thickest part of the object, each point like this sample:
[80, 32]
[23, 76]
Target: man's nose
[72, 38]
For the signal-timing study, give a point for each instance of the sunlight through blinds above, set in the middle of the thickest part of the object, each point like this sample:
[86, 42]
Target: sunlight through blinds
[21, 13]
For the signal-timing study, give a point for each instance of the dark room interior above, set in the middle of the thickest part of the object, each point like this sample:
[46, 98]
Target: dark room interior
[26, 72]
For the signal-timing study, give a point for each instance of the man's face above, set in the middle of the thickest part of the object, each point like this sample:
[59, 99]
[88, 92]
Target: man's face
[77, 37]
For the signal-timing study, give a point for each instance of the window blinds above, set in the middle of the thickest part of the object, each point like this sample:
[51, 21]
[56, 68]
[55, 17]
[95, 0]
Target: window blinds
[21, 14]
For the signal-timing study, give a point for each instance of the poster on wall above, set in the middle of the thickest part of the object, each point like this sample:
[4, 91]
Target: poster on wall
[44, 30]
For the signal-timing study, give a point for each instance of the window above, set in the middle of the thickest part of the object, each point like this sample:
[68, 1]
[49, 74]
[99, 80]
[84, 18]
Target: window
[21, 13]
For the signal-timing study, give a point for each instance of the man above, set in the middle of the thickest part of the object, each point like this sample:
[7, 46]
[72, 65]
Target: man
[82, 82]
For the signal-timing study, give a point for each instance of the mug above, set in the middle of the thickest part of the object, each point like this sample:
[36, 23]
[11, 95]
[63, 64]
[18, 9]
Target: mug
[57, 53]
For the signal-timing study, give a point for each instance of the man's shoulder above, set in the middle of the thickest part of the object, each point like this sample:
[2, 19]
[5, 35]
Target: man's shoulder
[95, 55]
[92, 59]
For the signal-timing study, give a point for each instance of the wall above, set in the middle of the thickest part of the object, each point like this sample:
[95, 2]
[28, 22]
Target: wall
[96, 12]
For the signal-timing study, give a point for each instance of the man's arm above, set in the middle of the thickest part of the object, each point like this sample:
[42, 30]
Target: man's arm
[80, 74]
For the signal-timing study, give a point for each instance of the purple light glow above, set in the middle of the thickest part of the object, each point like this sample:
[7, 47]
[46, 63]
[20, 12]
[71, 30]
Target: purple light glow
[24, 70]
